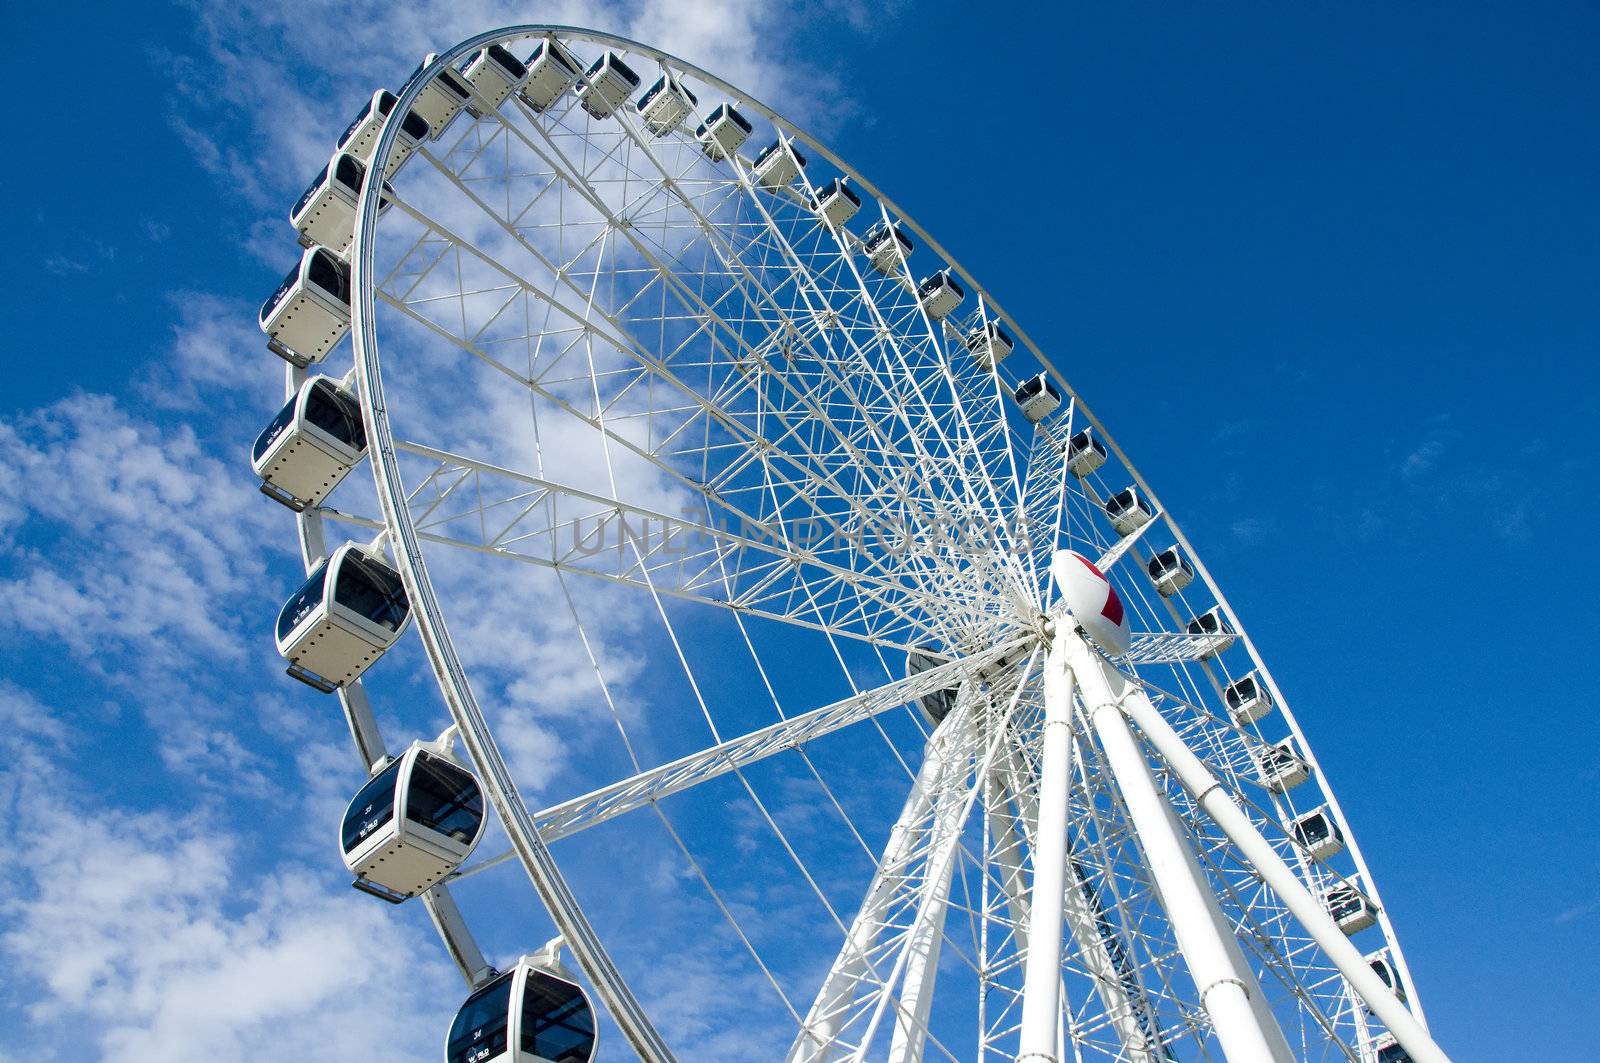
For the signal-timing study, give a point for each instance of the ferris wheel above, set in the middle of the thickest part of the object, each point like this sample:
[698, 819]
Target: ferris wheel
[980, 723]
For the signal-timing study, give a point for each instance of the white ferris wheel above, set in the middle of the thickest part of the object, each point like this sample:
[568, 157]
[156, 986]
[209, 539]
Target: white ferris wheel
[1016, 771]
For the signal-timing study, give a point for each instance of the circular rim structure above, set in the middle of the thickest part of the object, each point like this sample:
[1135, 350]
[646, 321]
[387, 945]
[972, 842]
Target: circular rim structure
[1019, 647]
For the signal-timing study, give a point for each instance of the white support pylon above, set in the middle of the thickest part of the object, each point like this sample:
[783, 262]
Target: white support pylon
[1226, 986]
[1116, 983]
[1281, 879]
[1041, 978]
[822, 1023]
[922, 950]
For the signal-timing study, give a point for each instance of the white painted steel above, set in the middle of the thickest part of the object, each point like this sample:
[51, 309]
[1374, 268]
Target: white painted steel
[492, 771]
[1277, 874]
[820, 1029]
[879, 411]
[1041, 1006]
[1226, 986]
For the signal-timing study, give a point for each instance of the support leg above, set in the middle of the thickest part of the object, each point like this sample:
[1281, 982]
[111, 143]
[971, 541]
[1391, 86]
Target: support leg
[922, 960]
[1223, 979]
[1277, 874]
[1041, 980]
[833, 1000]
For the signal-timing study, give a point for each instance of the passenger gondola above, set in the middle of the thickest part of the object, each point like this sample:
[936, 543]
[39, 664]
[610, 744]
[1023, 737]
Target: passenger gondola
[552, 70]
[1170, 572]
[1085, 453]
[665, 105]
[493, 74]
[347, 613]
[442, 100]
[1382, 965]
[886, 246]
[1214, 627]
[361, 136]
[1387, 1050]
[937, 705]
[310, 311]
[1128, 511]
[1349, 907]
[779, 163]
[606, 85]
[989, 344]
[837, 202]
[940, 294]
[723, 132]
[530, 1014]
[1318, 834]
[1281, 766]
[1037, 398]
[309, 447]
[326, 212]
[413, 823]
[1248, 699]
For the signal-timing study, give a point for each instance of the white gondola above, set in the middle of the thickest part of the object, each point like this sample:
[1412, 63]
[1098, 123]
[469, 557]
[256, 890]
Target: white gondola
[837, 202]
[1387, 1050]
[1128, 511]
[1037, 397]
[1170, 572]
[607, 84]
[412, 824]
[1318, 834]
[779, 163]
[361, 136]
[723, 132]
[494, 74]
[347, 613]
[1281, 765]
[990, 344]
[309, 447]
[529, 1014]
[665, 105]
[1350, 908]
[326, 212]
[936, 705]
[940, 294]
[442, 100]
[1085, 454]
[310, 311]
[552, 70]
[1214, 627]
[1248, 699]
[1382, 965]
[886, 246]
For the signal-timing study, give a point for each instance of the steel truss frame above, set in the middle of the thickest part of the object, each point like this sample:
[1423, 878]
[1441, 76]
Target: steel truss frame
[1083, 835]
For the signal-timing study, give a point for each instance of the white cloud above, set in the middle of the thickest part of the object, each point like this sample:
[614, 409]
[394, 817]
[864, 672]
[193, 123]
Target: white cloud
[140, 547]
[159, 934]
[295, 98]
[217, 360]
[124, 536]
[139, 554]
[151, 935]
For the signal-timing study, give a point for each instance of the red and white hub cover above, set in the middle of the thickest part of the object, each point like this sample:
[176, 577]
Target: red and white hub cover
[1092, 601]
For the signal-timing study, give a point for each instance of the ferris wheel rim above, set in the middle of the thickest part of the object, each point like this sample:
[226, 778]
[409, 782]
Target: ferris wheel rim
[397, 516]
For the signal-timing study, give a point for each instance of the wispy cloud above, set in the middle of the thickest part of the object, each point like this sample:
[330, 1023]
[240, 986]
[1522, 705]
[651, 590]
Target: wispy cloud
[147, 935]
[1254, 530]
[1421, 460]
[1576, 912]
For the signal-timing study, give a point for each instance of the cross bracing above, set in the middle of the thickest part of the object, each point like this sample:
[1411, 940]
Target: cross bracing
[616, 358]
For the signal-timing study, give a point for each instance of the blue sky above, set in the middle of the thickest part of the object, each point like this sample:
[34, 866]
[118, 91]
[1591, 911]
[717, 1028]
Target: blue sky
[1330, 275]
